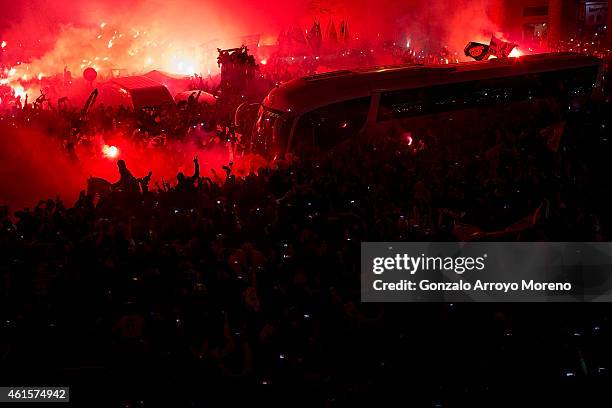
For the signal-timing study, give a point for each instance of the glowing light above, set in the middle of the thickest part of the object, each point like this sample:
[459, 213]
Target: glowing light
[3, 44]
[184, 65]
[132, 48]
[515, 53]
[19, 91]
[110, 151]
[40, 76]
[263, 62]
[408, 138]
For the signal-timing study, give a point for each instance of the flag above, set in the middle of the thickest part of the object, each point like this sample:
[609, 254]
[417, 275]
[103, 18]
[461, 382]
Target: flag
[478, 51]
[523, 224]
[466, 232]
[314, 36]
[332, 35]
[500, 48]
[344, 31]
[553, 135]
[295, 33]
[497, 48]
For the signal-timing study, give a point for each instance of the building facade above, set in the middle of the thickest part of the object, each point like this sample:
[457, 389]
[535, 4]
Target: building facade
[549, 21]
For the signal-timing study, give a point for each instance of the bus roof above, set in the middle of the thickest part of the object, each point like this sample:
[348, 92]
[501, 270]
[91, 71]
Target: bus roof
[310, 92]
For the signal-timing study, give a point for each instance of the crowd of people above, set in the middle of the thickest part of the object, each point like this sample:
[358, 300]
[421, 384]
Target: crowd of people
[80, 134]
[207, 286]
[219, 287]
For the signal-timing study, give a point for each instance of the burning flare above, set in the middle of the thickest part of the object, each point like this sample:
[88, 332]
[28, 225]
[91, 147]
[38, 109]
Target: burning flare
[110, 151]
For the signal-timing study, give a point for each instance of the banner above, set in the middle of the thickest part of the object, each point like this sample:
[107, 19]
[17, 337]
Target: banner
[314, 37]
[553, 135]
[497, 48]
[500, 48]
[476, 50]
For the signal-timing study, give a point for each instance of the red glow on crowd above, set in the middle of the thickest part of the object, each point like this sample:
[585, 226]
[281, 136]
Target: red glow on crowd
[180, 39]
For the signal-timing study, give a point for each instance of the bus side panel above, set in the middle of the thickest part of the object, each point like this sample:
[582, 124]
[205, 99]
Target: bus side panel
[483, 106]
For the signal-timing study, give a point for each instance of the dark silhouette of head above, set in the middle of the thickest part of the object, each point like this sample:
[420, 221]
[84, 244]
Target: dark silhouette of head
[180, 177]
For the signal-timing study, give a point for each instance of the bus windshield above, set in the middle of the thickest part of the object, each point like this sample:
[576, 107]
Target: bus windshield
[263, 140]
[269, 136]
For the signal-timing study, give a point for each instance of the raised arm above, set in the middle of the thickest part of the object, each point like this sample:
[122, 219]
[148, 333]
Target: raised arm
[196, 165]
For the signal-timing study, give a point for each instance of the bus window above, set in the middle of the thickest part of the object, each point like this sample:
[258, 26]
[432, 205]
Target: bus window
[556, 84]
[408, 103]
[580, 82]
[464, 95]
[401, 104]
[443, 98]
[527, 87]
[330, 125]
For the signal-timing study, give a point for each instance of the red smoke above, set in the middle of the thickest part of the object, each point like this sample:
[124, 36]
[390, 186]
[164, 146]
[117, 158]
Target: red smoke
[70, 32]
[180, 36]
[34, 168]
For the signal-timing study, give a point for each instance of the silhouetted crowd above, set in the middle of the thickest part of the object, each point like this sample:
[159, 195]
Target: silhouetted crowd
[223, 289]
[246, 289]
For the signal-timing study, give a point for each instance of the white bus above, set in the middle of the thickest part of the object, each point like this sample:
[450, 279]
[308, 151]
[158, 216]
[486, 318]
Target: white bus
[318, 112]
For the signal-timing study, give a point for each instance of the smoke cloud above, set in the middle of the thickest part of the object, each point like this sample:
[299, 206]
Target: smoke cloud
[141, 35]
[138, 34]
